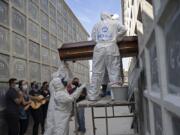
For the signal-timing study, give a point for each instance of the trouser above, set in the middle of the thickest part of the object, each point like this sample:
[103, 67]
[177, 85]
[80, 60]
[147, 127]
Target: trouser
[23, 126]
[102, 60]
[44, 112]
[81, 119]
[38, 119]
[13, 124]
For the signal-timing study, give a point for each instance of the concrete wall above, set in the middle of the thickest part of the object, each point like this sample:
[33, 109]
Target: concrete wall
[156, 23]
[30, 33]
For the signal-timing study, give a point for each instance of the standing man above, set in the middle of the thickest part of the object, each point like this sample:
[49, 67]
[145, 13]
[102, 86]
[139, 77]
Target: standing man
[106, 53]
[13, 101]
[80, 114]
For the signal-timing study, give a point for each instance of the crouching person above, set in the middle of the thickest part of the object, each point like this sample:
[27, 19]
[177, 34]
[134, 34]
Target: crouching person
[62, 106]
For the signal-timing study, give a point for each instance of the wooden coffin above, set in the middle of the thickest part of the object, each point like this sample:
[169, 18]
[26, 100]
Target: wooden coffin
[128, 47]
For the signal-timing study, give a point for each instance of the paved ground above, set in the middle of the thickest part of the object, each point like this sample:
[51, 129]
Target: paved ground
[118, 126]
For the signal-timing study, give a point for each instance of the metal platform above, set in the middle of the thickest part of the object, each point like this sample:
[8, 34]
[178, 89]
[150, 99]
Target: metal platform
[105, 103]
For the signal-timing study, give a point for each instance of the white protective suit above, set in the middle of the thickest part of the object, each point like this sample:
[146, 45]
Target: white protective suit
[106, 53]
[60, 105]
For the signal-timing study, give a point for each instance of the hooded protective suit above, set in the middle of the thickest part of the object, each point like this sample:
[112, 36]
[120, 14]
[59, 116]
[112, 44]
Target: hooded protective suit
[106, 53]
[60, 106]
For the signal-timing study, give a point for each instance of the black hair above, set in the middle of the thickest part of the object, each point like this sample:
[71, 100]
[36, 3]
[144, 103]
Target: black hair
[20, 84]
[11, 81]
[32, 83]
[44, 83]
[75, 78]
[64, 82]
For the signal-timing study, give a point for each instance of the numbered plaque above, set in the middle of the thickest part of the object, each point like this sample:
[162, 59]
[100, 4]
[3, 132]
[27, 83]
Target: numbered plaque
[4, 39]
[34, 31]
[53, 42]
[44, 20]
[44, 5]
[18, 22]
[4, 67]
[4, 18]
[35, 73]
[54, 58]
[52, 11]
[45, 73]
[44, 37]
[34, 51]
[19, 45]
[45, 55]
[19, 70]
[33, 10]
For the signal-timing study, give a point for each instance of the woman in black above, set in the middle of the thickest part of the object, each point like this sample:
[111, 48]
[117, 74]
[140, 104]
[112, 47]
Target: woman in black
[46, 94]
[37, 114]
[24, 107]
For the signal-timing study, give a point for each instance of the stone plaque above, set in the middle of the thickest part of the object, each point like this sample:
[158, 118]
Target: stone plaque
[53, 42]
[52, 11]
[45, 73]
[33, 10]
[59, 18]
[4, 67]
[54, 58]
[21, 4]
[34, 30]
[19, 70]
[44, 37]
[34, 71]
[18, 21]
[60, 32]
[173, 56]
[158, 120]
[53, 2]
[4, 18]
[44, 20]
[44, 5]
[59, 5]
[45, 55]
[53, 29]
[34, 51]
[19, 45]
[154, 66]
[4, 39]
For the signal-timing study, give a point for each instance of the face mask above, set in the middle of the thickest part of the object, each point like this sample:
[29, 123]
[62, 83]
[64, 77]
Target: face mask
[16, 86]
[24, 87]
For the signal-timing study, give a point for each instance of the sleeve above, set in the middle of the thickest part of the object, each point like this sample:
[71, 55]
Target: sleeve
[13, 95]
[65, 97]
[121, 29]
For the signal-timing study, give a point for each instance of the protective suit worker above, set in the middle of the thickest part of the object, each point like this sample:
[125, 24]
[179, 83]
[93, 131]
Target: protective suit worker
[60, 105]
[106, 52]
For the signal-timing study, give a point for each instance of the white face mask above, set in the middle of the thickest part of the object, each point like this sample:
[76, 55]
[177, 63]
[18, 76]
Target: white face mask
[17, 86]
[25, 87]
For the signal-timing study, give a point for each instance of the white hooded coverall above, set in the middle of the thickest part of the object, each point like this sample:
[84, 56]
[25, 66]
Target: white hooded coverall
[106, 54]
[60, 106]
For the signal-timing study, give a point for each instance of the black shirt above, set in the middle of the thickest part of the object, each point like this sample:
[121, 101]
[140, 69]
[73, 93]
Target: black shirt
[11, 106]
